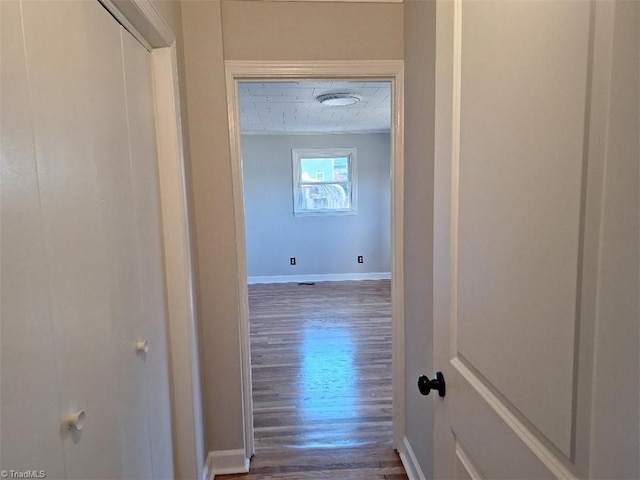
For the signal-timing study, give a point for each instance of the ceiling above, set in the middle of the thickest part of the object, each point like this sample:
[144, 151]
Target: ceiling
[291, 107]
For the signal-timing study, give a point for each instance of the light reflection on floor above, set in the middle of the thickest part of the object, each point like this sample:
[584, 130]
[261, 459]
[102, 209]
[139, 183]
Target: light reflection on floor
[328, 384]
[321, 365]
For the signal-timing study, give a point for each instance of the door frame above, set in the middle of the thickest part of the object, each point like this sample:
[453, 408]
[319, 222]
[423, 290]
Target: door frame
[142, 20]
[385, 70]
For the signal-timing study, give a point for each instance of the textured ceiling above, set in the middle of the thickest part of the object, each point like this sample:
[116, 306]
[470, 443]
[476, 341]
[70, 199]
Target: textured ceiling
[291, 107]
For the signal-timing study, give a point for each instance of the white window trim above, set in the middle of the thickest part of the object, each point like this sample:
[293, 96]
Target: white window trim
[351, 153]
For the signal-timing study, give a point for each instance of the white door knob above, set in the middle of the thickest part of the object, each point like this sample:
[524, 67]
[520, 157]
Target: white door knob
[75, 420]
[142, 347]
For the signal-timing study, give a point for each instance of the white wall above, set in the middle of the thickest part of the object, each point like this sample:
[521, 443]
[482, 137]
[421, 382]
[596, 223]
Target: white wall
[321, 245]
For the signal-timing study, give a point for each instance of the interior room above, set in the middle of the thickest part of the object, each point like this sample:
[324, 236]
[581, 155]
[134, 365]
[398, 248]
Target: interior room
[316, 159]
[493, 285]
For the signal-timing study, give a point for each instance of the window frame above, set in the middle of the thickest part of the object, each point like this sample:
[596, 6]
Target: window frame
[299, 154]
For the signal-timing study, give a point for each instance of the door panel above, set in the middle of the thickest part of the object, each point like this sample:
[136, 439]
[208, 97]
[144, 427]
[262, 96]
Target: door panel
[519, 192]
[27, 344]
[521, 129]
[144, 174]
[464, 469]
[74, 233]
[615, 449]
[110, 137]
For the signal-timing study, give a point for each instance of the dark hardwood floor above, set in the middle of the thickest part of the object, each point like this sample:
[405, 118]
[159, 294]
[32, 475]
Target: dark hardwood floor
[321, 368]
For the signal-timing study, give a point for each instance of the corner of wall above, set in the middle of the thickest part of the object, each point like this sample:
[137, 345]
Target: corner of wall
[225, 462]
[419, 142]
[216, 270]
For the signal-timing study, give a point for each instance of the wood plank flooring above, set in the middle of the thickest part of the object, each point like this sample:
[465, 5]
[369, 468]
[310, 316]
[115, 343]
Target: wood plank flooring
[321, 374]
[356, 463]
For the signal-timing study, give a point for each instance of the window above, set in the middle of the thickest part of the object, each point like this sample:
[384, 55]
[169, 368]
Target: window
[324, 181]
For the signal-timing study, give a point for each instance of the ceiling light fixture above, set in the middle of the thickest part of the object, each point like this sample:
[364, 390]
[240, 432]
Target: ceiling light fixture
[338, 99]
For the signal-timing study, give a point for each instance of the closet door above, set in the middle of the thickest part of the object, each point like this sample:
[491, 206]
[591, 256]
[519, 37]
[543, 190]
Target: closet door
[115, 159]
[82, 260]
[152, 328]
[29, 387]
[59, 38]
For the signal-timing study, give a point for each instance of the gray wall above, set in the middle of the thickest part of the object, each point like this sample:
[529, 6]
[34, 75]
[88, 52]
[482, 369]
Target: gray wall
[419, 44]
[321, 244]
[332, 31]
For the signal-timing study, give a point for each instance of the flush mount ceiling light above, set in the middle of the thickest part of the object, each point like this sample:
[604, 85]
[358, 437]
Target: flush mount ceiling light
[339, 99]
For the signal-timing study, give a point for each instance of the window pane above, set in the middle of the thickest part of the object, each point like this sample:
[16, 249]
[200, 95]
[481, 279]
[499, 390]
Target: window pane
[324, 169]
[341, 169]
[330, 196]
[324, 181]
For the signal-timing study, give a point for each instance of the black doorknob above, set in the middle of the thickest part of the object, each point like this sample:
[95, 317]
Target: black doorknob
[425, 385]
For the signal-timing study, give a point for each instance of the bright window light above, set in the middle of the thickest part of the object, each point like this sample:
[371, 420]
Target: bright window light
[324, 181]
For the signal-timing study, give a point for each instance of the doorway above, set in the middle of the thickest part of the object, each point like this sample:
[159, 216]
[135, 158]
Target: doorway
[381, 71]
[316, 164]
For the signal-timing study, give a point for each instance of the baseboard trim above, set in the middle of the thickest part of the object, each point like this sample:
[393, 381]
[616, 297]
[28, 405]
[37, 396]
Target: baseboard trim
[329, 277]
[410, 462]
[225, 462]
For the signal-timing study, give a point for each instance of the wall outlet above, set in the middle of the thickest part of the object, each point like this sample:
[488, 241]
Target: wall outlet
[360, 259]
[292, 260]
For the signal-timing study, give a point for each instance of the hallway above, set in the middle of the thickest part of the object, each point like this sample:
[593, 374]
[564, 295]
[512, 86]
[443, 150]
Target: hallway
[321, 366]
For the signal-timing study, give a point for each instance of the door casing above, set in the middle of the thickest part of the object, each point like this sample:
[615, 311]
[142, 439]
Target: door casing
[385, 70]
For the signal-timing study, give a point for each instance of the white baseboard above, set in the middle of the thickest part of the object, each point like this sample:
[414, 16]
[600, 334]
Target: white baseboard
[329, 277]
[410, 462]
[225, 462]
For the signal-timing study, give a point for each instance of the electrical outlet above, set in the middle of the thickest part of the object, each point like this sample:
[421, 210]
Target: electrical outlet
[360, 259]
[292, 260]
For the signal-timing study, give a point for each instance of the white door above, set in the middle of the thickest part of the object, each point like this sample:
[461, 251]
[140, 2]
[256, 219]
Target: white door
[536, 239]
[81, 248]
